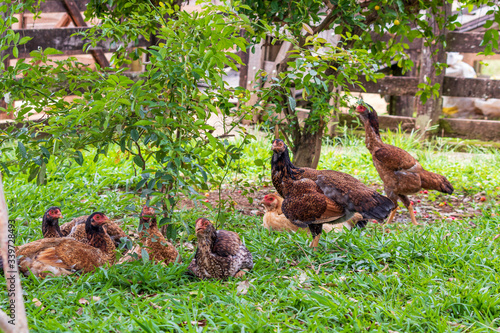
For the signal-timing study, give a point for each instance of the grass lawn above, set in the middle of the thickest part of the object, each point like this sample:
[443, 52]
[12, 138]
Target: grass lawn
[441, 277]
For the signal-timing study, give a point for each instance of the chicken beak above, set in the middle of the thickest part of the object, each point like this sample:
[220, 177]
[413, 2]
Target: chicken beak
[59, 215]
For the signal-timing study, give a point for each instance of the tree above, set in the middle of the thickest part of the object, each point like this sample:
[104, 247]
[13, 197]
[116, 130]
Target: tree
[322, 70]
[159, 117]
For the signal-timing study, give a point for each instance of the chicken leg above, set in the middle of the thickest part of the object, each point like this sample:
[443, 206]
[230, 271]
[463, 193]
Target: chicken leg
[391, 216]
[412, 215]
[316, 230]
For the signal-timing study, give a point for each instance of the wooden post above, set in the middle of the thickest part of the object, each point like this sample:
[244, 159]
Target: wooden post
[429, 112]
[255, 62]
[243, 68]
[17, 321]
[77, 18]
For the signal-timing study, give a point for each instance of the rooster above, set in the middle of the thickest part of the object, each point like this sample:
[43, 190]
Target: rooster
[156, 246]
[50, 223]
[314, 197]
[220, 253]
[63, 256]
[401, 173]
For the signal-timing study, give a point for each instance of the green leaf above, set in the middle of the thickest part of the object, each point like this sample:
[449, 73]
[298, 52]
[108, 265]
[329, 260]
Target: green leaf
[134, 135]
[15, 52]
[22, 150]
[24, 40]
[79, 157]
[145, 256]
[41, 174]
[292, 103]
[138, 161]
[142, 123]
[45, 152]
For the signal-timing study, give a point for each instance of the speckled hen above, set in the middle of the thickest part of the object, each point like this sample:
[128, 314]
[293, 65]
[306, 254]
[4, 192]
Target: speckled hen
[313, 197]
[220, 253]
[401, 173]
[50, 223]
[63, 256]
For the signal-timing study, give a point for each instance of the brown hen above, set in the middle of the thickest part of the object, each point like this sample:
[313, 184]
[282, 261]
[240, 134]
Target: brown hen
[274, 219]
[50, 223]
[220, 253]
[401, 173]
[152, 240]
[313, 197]
[78, 230]
[63, 256]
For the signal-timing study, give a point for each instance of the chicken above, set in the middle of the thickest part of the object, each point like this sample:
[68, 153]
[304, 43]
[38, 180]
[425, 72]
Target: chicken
[220, 253]
[63, 256]
[50, 223]
[78, 231]
[401, 173]
[153, 242]
[313, 197]
[274, 219]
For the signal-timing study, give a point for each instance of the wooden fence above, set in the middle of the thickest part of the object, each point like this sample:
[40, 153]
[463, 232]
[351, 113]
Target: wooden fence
[61, 39]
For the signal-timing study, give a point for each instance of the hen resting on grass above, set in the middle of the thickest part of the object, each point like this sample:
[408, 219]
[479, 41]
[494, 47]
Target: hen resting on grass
[401, 173]
[156, 246]
[274, 219]
[50, 223]
[220, 253]
[78, 230]
[63, 256]
[313, 197]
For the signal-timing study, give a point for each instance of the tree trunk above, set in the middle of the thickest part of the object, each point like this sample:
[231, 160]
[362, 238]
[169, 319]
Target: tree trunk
[307, 148]
[428, 113]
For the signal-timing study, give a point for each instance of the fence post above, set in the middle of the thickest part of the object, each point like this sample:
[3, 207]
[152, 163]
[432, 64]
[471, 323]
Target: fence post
[431, 54]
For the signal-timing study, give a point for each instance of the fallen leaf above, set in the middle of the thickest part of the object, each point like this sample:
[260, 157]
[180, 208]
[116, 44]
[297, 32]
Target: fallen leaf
[451, 323]
[188, 246]
[79, 311]
[200, 323]
[96, 298]
[37, 302]
[302, 277]
[242, 288]
[494, 238]
[83, 301]
[156, 306]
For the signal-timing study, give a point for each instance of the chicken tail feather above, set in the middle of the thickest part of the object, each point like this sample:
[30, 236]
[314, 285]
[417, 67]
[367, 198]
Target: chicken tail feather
[434, 181]
[379, 208]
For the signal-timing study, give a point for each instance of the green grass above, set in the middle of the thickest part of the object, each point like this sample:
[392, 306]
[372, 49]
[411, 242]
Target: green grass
[443, 277]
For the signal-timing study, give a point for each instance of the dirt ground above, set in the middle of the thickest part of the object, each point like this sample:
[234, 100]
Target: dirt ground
[429, 207]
